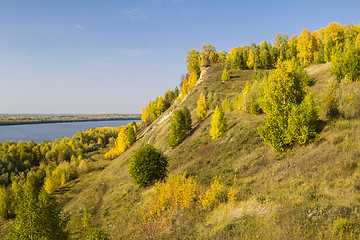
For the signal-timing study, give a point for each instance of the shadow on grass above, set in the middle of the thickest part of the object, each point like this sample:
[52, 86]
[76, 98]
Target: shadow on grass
[320, 126]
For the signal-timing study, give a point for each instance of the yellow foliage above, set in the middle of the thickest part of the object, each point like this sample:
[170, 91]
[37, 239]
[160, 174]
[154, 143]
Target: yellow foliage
[122, 142]
[209, 199]
[83, 167]
[51, 184]
[251, 61]
[201, 108]
[87, 219]
[214, 57]
[226, 105]
[176, 193]
[218, 123]
[306, 46]
[231, 55]
[187, 84]
[233, 191]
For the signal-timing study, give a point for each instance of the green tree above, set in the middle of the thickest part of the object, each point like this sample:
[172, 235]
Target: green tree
[346, 65]
[225, 75]
[131, 134]
[201, 108]
[303, 120]
[5, 202]
[148, 165]
[180, 127]
[160, 106]
[206, 52]
[218, 123]
[193, 60]
[38, 217]
[284, 87]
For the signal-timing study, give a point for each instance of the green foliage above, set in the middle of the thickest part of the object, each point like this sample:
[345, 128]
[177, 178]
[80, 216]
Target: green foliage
[38, 217]
[302, 121]
[207, 54]
[281, 98]
[86, 220]
[346, 64]
[98, 234]
[201, 108]
[193, 60]
[225, 75]
[180, 127]
[218, 123]
[5, 202]
[147, 166]
[284, 86]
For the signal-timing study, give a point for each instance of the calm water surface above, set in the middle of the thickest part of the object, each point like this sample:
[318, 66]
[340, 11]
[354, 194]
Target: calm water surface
[51, 131]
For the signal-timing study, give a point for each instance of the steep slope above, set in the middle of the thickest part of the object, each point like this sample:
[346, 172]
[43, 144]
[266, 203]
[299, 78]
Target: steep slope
[308, 192]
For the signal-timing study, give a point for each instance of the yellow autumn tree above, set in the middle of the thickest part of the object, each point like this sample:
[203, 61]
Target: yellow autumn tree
[306, 47]
[210, 198]
[225, 75]
[218, 123]
[214, 57]
[226, 105]
[251, 61]
[193, 77]
[232, 53]
[201, 108]
[126, 137]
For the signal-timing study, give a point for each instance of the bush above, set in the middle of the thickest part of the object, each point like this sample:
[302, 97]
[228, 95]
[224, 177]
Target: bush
[98, 234]
[147, 166]
[330, 102]
[281, 98]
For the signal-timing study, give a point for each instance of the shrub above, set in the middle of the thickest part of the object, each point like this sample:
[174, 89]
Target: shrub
[148, 165]
[302, 120]
[98, 234]
[210, 198]
[330, 103]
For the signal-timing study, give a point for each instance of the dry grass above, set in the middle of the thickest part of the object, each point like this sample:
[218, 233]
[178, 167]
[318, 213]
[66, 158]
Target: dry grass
[309, 192]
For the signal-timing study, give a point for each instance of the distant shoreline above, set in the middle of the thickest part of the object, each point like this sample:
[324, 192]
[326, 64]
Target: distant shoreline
[9, 123]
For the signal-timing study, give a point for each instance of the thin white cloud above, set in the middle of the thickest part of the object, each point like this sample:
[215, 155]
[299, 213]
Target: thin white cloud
[135, 14]
[78, 26]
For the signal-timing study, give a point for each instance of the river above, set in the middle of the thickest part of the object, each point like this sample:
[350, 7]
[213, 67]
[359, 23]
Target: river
[51, 131]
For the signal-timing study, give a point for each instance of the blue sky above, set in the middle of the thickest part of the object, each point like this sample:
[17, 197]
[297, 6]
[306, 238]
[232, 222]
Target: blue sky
[114, 56]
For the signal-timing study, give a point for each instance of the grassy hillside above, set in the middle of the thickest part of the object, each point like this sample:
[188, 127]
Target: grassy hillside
[309, 192]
